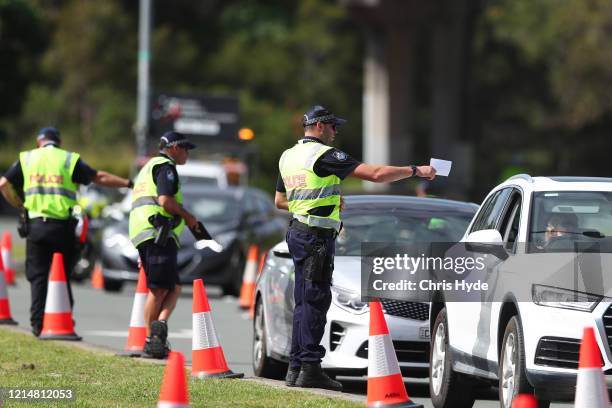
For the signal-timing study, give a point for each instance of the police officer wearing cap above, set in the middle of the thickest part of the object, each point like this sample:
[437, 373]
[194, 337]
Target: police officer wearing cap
[156, 221]
[309, 187]
[44, 182]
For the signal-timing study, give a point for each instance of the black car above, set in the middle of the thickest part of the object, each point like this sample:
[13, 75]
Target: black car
[235, 217]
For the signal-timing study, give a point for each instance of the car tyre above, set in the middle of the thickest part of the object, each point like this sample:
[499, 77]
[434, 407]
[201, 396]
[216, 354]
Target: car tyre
[512, 377]
[112, 285]
[264, 366]
[447, 388]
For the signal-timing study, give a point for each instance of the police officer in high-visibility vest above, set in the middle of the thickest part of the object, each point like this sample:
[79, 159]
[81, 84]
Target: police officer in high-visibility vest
[309, 187]
[44, 182]
[156, 221]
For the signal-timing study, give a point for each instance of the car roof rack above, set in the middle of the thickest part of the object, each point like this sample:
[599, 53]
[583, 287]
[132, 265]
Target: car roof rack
[522, 176]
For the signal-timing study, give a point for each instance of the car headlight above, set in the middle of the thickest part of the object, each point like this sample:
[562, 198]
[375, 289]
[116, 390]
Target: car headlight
[564, 298]
[348, 300]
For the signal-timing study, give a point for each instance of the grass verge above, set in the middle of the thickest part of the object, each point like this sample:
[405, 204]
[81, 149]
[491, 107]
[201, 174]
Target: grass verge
[101, 380]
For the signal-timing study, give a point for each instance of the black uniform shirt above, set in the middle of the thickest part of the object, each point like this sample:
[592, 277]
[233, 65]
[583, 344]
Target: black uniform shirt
[83, 174]
[166, 178]
[334, 161]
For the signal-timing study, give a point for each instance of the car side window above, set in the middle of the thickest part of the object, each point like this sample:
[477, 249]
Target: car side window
[509, 226]
[491, 211]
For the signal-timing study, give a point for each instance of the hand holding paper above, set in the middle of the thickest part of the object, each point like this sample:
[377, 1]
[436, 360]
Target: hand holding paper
[208, 243]
[443, 167]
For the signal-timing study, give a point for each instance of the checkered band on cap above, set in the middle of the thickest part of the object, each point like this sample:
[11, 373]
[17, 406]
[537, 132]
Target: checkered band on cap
[316, 119]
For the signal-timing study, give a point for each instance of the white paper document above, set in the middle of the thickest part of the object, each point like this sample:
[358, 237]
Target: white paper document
[208, 243]
[443, 167]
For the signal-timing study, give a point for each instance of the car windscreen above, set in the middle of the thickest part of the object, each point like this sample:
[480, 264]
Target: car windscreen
[571, 221]
[393, 225]
[218, 209]
[197, 180]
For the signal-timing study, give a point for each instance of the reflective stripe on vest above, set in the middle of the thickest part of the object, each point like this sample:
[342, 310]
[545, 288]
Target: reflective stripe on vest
[47, 182]
[51, 190]
[305, 190]
[145, 205]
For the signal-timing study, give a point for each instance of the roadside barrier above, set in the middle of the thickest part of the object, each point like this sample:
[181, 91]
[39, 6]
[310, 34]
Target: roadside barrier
[5, 308]
[137, 332]
[97, 277]
[524, 401]
[385, 384]
[57, 321]
[207, 358]
[262, 263]
[174, 392]
[6, 248]
[591, 389]
[247, 291]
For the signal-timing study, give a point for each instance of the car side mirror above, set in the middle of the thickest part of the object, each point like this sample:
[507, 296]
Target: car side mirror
[487, 241]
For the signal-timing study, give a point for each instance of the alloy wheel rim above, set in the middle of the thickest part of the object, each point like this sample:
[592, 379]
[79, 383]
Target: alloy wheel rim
[509, 370]
[437, 359]
[258, 336]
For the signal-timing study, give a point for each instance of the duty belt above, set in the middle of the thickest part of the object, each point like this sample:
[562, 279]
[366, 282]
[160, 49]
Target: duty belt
[318, 231]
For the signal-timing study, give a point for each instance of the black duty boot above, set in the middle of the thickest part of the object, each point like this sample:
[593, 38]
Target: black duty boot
[159, 333]
[312, 376]
[292, 375]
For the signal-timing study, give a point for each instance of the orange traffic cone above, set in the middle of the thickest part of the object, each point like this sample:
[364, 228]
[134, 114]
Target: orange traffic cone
[207, 358]
[137, 333]
[524, 401]
[174, 393]
[5, 308]
[97, 278]
[57, 321]
[247, 291]
[6, 249]
[262, 263]
[591, 390]
[385, 384]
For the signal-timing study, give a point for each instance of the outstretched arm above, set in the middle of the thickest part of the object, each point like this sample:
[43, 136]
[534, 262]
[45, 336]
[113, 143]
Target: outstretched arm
[386, 174]
[106, 179]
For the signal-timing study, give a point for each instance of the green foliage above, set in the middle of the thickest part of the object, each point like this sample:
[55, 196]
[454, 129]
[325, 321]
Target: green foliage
[572, 40]
[22, 39]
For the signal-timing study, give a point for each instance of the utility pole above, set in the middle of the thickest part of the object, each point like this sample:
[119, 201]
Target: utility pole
[144, 59]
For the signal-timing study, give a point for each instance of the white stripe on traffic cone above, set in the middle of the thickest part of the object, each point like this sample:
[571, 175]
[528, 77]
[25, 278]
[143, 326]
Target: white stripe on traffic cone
[591, 389]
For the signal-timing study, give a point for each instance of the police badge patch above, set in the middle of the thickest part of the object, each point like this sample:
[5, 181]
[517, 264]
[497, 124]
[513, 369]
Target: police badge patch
[341, 156]
[170, 175]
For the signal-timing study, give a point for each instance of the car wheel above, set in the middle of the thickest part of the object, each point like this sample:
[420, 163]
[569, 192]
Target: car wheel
[512, 377]
[112, 285]
[264, 366]
[447, 388]
[235, 270]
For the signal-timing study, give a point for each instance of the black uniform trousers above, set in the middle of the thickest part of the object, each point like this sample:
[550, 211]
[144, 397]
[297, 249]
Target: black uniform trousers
[44, 239]
[312, 299]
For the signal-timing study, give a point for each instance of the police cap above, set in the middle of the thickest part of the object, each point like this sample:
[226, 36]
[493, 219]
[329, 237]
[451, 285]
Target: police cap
[170, 139]
[49, 133]
[320, 114]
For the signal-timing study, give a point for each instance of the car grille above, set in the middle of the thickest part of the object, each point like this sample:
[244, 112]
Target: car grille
[408, 310]
[406, 351]
[607, 321]
[558, 352]
[336, 335]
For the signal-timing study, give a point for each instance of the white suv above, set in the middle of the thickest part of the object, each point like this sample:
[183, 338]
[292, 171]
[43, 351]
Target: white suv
[548, 243]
